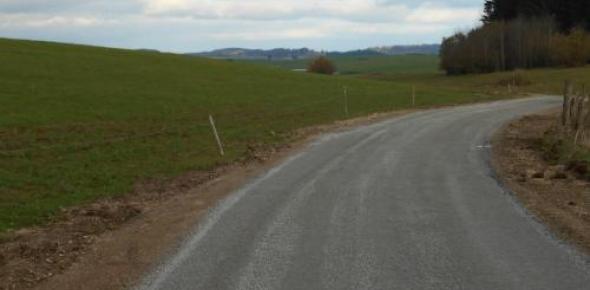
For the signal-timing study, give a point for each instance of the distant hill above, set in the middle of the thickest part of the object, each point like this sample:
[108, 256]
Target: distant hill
[148, 50]
[305, 53]
[407, 49]
[360, 52]
[273, 54]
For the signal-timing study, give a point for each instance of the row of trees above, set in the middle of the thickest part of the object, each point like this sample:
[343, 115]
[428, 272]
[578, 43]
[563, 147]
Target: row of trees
[568, 14]
[520, 34]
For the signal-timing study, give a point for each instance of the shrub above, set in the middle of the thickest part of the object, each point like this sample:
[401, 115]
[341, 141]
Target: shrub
[322, 65]
[571, 50]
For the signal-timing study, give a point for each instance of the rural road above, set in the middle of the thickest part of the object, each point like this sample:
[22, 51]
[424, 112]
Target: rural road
[409, 203]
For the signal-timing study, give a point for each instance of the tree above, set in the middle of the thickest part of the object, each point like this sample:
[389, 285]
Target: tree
[322, 65]
[568, 14]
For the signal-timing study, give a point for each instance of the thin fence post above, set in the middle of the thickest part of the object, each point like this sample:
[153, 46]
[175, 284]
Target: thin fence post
[413, 95]
[581, 116]
[578, 116]
[572, 112]
[585, 120]
[514, 79]
[219, 145]
[346, 101]
[566, 104]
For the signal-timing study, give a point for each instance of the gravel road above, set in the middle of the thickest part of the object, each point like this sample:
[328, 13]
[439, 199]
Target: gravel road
[409, 203]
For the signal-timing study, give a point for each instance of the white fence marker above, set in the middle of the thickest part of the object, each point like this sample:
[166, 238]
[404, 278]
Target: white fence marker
[216, 135]
[413, 96]
[346, 101]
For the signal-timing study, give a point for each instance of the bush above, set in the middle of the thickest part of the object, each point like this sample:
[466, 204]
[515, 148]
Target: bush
[571, 50]
[322, 65]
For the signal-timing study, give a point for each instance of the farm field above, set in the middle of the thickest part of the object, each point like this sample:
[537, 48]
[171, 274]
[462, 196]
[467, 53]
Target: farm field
[423, 71]
[535, 81]
[359, 65]
[79, 123]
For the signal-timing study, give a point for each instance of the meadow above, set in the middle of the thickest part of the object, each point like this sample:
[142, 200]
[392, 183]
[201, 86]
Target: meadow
[78, 123]
[363, 65]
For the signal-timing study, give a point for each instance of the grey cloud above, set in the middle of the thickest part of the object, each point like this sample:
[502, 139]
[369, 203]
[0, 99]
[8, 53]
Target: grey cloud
[70, 6]
[129, 23]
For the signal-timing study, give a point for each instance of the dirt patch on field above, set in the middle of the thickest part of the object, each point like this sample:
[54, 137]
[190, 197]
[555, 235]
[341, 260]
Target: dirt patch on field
[111, 243]
[557, 194]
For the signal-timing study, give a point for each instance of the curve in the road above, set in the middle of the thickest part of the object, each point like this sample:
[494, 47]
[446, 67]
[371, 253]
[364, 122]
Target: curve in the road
[409, 203]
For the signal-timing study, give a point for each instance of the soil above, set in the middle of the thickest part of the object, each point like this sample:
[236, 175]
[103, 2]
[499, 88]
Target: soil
[556, 194]
[112, 243]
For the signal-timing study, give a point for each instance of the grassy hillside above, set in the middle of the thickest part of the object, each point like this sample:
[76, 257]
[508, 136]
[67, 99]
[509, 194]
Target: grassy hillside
[348, 65]
[79, 123]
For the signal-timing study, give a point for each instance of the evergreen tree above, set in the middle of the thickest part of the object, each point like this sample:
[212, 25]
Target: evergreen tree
[567, 13]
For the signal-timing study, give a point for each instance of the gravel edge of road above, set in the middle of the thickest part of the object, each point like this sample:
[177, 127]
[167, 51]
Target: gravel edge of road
[544, 192]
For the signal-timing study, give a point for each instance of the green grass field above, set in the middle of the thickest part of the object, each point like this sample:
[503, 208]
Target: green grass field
[540, 81]
[348, 65]
[79, 123]
[423, 71]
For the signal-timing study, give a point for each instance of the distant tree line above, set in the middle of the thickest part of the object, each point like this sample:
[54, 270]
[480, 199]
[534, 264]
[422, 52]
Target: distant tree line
[521, 34]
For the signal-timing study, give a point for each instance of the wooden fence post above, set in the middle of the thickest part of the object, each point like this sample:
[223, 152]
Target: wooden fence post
[586, 120]
[577, 114]
[572, 111]
[413, 96]
[575, 117]
[219, 145]
[514, 84]
[566, 104]
[346, 101]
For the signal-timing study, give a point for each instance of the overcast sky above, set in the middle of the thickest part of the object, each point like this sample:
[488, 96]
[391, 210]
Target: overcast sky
[197, 25]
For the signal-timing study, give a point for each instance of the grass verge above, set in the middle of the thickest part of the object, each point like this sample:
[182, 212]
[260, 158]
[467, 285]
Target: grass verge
[558, 150]
[545, 175]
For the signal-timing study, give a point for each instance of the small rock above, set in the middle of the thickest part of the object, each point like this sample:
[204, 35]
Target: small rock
[540, 181]
[556, 172]
[560, 168]
[571, 203]
[529, 173]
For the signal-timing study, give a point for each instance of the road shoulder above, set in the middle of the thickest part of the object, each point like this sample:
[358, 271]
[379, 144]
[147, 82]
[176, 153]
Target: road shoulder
[553, 193]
